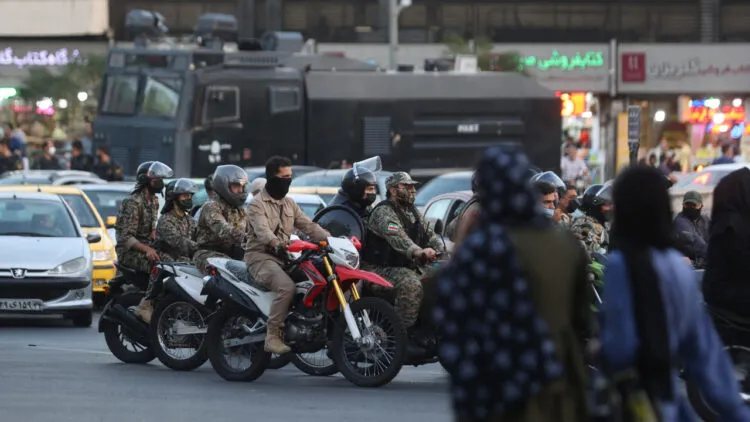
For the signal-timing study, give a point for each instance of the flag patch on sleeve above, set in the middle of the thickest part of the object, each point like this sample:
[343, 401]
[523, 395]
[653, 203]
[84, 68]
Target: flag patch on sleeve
[393, 227]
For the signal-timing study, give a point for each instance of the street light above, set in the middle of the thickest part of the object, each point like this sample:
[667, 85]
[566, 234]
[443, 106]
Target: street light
[82, 96]
[394, 10]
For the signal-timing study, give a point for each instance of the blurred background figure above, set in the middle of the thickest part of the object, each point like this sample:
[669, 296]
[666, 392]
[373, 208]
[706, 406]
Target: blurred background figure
[515, 276]
[652, 320]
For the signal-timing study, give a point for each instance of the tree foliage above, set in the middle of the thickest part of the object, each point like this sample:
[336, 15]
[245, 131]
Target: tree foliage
[486, 60]
[65, 83]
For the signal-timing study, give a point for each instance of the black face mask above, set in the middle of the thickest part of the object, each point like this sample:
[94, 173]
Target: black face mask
[278, 187]
[691, 213]
[572, 206]
[368, 199]
[156, 186]
[185, 204]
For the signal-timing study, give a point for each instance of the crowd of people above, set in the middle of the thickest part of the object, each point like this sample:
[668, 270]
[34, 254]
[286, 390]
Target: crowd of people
[513, 305]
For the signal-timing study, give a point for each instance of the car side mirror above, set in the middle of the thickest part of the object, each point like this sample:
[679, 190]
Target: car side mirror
[438, 226]
[110, 223]
[93, 237]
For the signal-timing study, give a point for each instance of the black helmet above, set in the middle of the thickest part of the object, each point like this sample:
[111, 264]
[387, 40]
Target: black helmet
[474, 183]
[604, 196]
[209, 183]
[228, 175]
[553, 179]
[174, 189]
[587, 200]
[593, 198]
[355, 181]
[150, 170]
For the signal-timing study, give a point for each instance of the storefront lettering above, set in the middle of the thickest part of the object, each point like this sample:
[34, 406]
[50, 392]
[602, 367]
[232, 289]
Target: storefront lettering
[60, 57]
[692, 67]
[587, 60]
[706, 114]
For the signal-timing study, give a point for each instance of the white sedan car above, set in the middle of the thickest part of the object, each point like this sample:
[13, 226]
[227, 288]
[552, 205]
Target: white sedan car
[45, 266]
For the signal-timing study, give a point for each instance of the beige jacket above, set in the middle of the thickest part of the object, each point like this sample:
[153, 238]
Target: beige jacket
[271, 222]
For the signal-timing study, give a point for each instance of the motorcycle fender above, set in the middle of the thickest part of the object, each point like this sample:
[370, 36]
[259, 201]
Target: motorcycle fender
[346, 274]
[171, 286]
[104, 318]
[224, 290]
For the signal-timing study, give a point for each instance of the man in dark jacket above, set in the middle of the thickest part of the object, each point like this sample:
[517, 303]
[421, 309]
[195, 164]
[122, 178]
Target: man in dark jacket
[357, 191]
[692, 228]
[80, 160]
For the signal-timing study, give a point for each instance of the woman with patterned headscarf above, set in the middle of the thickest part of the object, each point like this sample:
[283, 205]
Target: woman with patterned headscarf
[513, 306]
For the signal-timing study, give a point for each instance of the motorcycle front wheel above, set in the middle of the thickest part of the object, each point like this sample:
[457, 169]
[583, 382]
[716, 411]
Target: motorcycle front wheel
[228, 326]
[176, 350]
[379, 355]
[118, 340]
[317, 364]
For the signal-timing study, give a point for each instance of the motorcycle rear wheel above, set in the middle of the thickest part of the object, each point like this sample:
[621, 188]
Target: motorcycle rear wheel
[278, 361]
[163, 308]
[391, 337]
[222, 321]
[303, 362]
[115, 335]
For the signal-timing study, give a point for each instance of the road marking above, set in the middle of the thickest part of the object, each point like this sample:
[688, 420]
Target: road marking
[65, 349]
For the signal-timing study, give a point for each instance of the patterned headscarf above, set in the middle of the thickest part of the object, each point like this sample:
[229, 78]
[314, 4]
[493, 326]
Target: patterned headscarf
[493, 343]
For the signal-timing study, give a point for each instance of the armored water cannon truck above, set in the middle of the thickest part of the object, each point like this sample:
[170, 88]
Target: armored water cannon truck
[219, 102]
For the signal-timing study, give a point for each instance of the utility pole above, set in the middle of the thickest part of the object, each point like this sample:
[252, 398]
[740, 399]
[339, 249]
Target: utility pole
[394, 10]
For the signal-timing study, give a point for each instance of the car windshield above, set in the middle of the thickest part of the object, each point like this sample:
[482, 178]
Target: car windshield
[706, 178]
[441, 185]
[107, 202]
[318, 179]
[35, 218]
[82, 210]
[24, 180]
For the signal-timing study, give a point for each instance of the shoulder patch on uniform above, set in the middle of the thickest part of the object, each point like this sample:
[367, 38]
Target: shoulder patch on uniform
[393, 227]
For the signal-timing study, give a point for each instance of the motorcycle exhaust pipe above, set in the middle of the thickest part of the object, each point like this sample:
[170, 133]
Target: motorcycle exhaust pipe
[136, 329]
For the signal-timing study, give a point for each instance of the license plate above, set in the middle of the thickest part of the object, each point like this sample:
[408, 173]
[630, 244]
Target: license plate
[23, 305]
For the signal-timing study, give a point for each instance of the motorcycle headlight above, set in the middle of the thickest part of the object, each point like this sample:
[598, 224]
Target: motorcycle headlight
[352, 259]
[101, 255]
[73, 266]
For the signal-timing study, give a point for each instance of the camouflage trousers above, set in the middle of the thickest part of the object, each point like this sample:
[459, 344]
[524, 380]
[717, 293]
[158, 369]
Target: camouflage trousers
[201, 258]
[406, 294]
[135, 260]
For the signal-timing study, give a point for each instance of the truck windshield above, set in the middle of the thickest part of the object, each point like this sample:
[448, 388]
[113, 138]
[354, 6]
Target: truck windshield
[156, 96]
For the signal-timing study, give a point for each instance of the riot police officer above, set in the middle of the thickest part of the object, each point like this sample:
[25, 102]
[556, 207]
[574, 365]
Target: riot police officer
[397, 245]
[222, 225]
[357, 191]
[590, 227]
[136, 223]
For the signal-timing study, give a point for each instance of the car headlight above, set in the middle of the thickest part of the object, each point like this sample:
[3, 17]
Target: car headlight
[73, 266]
[101, 255]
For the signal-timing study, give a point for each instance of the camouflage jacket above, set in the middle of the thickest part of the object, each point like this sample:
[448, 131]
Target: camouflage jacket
[590, 232]
[221, 227]
[136, 220]
[565, 221]
[385, 222]
[175, 236]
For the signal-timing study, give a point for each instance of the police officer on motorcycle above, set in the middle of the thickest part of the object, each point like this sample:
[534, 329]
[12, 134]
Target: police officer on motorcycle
[590, 227]
[358, 190]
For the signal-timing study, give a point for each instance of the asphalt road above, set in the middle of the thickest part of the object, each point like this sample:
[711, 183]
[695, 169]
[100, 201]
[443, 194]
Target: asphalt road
[51, 371]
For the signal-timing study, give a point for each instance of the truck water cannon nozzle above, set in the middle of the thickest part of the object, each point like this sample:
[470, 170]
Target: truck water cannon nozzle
[214, 29]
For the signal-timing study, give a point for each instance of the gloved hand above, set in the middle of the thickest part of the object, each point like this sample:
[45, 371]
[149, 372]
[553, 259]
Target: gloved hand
[279, 250]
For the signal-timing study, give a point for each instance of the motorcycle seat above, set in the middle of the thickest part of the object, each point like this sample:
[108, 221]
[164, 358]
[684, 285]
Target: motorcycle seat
[189, 269]
[239, 270]
[139, 278]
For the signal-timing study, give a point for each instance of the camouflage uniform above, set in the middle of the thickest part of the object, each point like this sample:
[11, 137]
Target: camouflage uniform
[565, 221]
[136, 221]
[174, 236]
[590, 232]
[407, 293]
[221, 232]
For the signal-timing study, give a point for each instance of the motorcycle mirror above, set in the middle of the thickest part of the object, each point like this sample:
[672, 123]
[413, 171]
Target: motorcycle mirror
[373, 164]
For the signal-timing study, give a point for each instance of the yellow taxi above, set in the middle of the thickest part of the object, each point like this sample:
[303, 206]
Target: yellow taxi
[102, 252]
